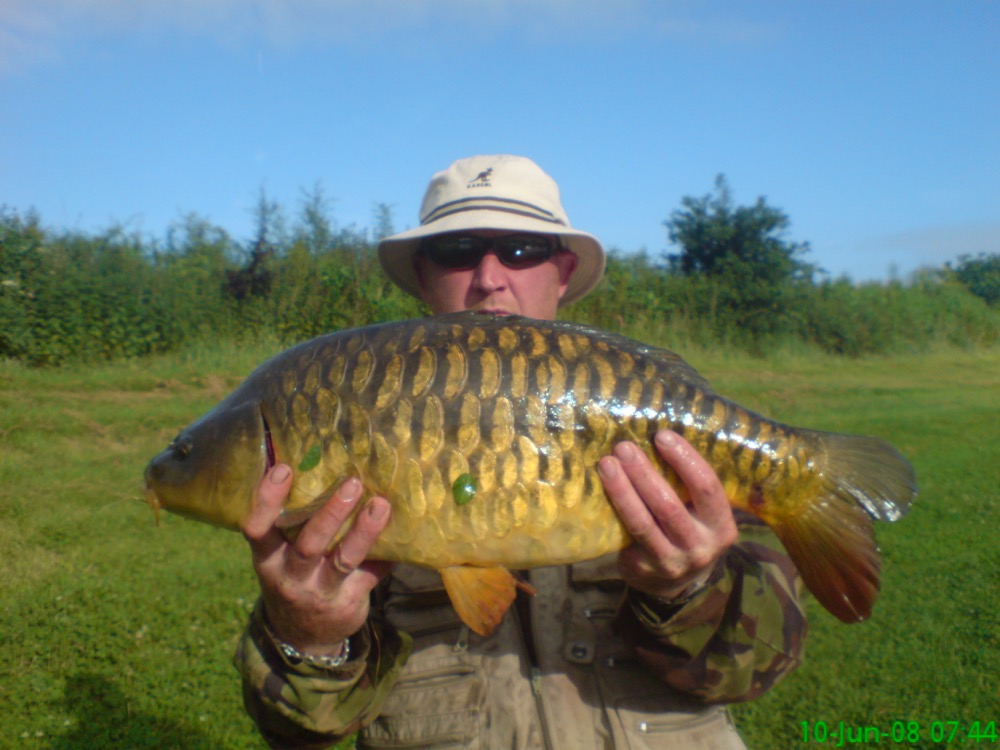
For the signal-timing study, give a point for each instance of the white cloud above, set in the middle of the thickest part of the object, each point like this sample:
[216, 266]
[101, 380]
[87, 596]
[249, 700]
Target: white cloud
[897, 254]
[25, 35]
[932, 246]
[33, 31]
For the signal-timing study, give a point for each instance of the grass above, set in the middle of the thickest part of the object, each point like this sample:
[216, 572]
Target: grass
[117, 633]
[931, 651]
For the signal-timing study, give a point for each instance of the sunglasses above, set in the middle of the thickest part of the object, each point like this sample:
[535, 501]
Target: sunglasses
[466, 251]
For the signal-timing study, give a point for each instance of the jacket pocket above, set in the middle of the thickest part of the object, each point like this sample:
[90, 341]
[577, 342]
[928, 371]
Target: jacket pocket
[646, 726]
[646, 714]
[438, 703]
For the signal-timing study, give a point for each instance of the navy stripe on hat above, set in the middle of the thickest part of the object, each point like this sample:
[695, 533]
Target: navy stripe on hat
[489, 203]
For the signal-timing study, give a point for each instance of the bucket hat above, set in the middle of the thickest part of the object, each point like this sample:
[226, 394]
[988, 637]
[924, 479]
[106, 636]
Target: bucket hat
[501, 192]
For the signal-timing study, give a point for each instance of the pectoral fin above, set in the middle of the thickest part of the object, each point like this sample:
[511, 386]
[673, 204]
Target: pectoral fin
[289, 519]
[481, 596]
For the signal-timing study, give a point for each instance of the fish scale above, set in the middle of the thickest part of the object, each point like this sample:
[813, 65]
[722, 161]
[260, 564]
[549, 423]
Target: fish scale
[519, 412]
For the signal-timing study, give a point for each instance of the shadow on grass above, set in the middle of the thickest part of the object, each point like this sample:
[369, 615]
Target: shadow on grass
[104, 719]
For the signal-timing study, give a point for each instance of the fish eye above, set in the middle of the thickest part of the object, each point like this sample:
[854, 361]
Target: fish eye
[181, 446]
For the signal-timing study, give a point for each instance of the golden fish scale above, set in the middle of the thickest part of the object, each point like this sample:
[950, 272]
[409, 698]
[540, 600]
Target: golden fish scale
[527, 411]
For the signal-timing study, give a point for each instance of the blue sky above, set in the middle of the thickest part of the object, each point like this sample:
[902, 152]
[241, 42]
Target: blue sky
[873, 125]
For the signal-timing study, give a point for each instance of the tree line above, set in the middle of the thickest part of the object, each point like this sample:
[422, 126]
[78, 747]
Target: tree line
[733, 280]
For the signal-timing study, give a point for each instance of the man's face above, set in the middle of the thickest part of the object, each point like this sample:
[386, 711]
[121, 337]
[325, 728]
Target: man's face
[491, 286]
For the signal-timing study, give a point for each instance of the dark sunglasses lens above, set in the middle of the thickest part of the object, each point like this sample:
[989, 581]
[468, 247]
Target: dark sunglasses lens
[523, 251]
[450, 251]
[457, 251]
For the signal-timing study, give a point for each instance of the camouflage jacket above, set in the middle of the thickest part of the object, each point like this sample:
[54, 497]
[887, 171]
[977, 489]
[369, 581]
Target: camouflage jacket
[586, 664]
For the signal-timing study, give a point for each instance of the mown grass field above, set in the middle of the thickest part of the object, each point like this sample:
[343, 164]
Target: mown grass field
[118, 633]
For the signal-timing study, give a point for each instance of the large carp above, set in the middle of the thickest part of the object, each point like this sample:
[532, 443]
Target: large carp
[484, 434]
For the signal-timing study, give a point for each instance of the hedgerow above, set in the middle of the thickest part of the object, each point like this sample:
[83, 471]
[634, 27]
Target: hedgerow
[68, 296]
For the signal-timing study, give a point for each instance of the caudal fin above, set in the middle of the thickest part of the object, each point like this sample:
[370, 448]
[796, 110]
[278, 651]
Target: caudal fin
[831, 541]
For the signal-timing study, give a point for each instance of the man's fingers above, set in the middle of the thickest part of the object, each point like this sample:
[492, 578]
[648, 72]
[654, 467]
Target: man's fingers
[258, 528]
[650, 507]
[675, 543]
[708, 499]
[352, 550]
[319, 531]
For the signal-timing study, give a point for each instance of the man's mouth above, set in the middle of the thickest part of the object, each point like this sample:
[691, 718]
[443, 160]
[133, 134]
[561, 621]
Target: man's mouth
[493, 311]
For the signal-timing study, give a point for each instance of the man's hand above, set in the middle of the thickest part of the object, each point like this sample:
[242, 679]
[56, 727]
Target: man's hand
[675, 546]
[315, 597]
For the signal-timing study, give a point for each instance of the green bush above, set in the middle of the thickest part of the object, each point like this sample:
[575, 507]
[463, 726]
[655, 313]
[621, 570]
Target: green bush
[21, 258]
[842, 318]
[72, 297]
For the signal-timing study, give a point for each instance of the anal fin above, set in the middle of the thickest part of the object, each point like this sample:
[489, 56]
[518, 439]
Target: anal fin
[481, 596]
[833, 546]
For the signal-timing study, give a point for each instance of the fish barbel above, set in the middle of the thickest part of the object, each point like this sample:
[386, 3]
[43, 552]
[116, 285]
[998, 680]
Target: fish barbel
[484, 434]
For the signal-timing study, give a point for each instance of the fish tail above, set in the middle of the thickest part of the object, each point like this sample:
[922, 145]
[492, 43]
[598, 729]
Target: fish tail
[831, 540]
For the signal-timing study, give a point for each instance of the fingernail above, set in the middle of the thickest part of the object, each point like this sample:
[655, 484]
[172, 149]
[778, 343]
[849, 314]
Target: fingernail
[279, 474]
[607, 468]
[666, 438]
[377, 511]
[625, 451]
[350, 489]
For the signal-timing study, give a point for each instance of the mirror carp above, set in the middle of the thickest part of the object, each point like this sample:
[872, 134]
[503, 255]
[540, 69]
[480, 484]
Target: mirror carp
[484, 434]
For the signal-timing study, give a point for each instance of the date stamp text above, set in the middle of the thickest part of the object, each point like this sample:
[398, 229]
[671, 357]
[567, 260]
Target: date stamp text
[842, 733]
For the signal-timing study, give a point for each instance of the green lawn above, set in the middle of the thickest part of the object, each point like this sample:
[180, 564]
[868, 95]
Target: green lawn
[118, 633]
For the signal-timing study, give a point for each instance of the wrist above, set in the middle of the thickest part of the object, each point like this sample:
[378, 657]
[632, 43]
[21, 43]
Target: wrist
[326, 661]
[686, 592]
[662, 604]
[296, 652]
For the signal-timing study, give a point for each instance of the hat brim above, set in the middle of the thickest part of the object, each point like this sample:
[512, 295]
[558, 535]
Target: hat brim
[396, 252]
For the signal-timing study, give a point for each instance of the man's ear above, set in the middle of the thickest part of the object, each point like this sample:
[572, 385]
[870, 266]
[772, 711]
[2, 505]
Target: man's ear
[566, 263]
[418, 268]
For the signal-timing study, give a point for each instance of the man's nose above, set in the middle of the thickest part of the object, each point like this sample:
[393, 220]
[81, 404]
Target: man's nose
[490, 274]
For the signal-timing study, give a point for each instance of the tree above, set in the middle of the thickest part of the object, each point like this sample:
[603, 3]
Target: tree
[254, 278]
[718, 238]
[980, 275]
[754, 273]
[383, 221]
[316, 227]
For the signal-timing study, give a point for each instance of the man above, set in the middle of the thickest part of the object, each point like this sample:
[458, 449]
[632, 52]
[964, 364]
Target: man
[628, 651]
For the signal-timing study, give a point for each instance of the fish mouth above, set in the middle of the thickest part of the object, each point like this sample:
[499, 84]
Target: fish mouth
[153, 502]
[268, 443]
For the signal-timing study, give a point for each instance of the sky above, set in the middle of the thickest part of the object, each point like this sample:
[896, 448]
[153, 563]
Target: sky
[873, 124]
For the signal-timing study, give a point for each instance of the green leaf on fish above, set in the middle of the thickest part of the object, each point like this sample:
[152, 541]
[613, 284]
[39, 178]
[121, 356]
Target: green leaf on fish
[464, 489]
[311, 459]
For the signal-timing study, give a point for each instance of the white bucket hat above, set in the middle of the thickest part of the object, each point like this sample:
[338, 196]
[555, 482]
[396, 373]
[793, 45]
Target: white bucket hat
[509, 193]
